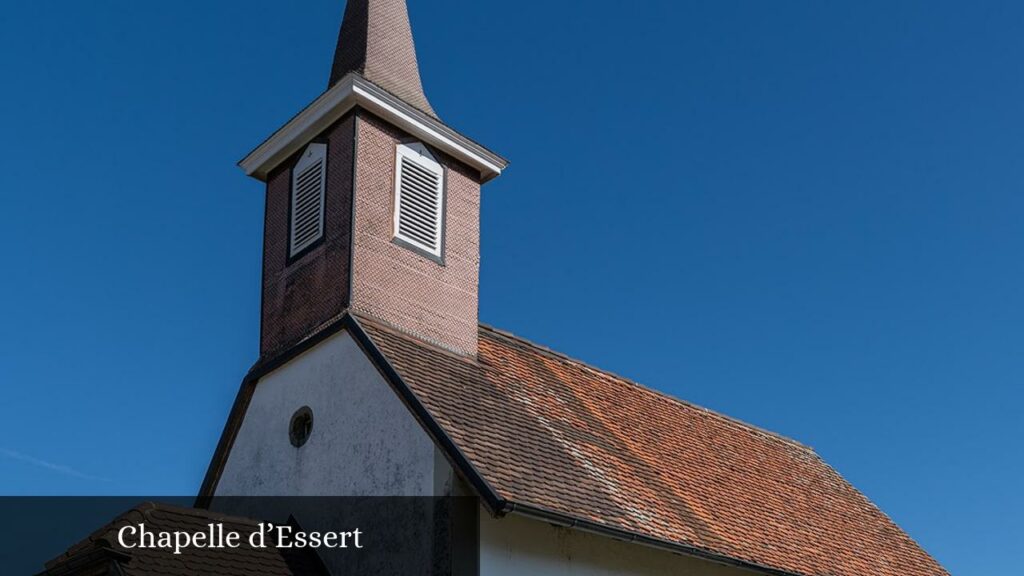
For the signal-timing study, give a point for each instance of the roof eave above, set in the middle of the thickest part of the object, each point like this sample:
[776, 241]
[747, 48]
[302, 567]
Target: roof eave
[492, 501]
[636, 537]
[355, 91]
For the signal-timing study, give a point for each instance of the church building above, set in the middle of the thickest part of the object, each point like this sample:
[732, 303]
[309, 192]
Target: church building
[376, 378]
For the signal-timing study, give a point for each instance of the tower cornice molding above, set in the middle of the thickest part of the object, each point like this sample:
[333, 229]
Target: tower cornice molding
[355, 91]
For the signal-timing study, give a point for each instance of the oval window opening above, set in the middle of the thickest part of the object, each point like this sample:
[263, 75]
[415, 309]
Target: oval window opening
[301, 427]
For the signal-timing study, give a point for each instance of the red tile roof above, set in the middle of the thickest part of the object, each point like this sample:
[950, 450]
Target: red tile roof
[551, 433]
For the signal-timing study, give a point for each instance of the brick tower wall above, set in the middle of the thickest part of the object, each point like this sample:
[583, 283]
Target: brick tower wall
[435, 302]
[300, 295]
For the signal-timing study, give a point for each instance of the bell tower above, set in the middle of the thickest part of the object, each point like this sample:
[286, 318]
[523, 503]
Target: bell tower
[372, 203]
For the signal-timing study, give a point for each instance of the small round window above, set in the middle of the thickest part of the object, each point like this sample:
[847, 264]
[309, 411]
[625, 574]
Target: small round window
[301, 426]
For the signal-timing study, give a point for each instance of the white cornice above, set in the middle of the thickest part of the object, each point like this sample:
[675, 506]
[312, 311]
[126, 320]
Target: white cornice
[352, 91]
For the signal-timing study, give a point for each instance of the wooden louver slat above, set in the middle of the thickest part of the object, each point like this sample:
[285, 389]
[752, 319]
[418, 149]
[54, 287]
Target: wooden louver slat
[419, 199]
[307, 208]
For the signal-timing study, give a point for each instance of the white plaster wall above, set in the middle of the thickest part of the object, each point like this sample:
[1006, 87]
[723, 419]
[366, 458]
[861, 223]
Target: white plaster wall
[515, 545]
[365, 442]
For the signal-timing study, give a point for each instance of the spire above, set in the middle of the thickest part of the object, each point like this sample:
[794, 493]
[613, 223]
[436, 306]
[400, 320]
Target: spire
[376, 41]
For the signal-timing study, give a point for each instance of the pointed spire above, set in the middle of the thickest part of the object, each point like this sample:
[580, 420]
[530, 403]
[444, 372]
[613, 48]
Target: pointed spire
[376, 41]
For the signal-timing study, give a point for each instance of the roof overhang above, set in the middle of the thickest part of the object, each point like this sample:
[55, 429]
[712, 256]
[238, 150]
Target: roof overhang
[355, 91]
[493, 502]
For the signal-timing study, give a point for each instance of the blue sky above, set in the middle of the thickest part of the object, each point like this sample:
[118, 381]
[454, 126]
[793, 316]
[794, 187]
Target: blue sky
[806, 215]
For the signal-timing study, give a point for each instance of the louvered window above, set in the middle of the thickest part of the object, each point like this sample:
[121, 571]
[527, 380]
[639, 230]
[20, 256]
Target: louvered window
[419, 199]
[307, 210]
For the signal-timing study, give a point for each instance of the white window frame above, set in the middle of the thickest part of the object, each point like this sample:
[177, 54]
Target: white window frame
[418, 154]
[312, 154]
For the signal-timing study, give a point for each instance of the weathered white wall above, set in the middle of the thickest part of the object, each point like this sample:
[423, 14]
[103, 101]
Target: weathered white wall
[514, 545]
[365, 442]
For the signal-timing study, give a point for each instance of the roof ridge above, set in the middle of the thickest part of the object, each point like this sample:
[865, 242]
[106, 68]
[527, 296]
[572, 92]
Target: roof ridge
[609, 374]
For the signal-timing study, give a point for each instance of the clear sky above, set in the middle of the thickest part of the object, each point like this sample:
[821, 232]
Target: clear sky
[806, 215]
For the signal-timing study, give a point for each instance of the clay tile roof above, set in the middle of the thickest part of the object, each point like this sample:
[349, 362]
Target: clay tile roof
[554, 434]
[376, 41]
[99, 549]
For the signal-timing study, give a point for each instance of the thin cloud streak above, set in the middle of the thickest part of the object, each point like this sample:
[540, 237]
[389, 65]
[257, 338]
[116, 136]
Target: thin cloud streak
[59, 468]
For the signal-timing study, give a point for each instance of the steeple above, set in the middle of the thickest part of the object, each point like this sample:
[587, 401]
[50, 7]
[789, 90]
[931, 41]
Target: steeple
[373, 204]
[376, 42]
